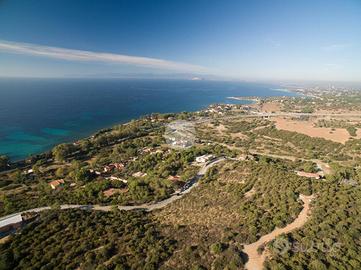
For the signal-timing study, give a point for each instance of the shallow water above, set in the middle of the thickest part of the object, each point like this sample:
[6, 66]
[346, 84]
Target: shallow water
[36, 114]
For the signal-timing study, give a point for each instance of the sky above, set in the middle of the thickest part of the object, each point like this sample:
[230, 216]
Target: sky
[240, 39]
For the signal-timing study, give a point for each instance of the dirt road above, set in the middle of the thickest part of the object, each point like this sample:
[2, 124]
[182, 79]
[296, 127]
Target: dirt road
[256, 260]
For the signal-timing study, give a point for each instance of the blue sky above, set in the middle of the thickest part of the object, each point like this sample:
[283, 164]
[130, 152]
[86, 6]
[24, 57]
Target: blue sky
[247, 40]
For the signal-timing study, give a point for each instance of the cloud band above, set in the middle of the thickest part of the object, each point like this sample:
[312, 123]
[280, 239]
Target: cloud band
[80, 55]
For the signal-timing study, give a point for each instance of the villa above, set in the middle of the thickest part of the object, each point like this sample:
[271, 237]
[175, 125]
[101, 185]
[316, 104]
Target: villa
[56, 183]
[111, 191]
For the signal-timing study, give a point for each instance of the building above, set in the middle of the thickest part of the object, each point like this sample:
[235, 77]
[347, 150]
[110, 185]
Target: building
[56, 183]
[114, 178]
[174, 178]
[30, 171]
[119, 166]
[109, 168]
[204, 158]
[139, 174]
[309, 175]
[94, 171]
[111, 191]
[145, 150]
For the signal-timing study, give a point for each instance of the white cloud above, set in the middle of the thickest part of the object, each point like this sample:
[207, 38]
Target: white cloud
[337, 47]
[79, 55]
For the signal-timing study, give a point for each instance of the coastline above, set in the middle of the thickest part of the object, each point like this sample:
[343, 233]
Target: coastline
[69, 118]
[252, 99]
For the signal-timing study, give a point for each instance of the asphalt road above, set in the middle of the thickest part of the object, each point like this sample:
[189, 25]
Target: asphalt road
[148, 207]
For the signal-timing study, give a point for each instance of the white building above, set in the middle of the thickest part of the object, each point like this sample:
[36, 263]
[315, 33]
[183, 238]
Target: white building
[204, 158]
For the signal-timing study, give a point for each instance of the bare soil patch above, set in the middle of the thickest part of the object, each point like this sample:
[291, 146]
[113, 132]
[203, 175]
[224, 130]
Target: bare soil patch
[250, 193]
[307, 127]
[271, 107]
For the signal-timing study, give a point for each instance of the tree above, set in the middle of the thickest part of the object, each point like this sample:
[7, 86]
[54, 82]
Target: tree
[4, 162]
[217, 248]
[317, 265]
[61, 151]
[82, 175]
[352, 131]
[36, 169]
[60, 172]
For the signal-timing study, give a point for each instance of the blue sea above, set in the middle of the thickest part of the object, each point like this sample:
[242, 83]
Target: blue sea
[36, 114]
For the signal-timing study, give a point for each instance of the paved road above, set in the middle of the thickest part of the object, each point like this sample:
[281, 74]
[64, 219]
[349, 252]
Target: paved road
[149, 207]
[256, 115]
[301, 114]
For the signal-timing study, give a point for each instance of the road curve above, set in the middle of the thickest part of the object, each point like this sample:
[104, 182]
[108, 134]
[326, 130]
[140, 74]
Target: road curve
[148, 207]
[256, 260]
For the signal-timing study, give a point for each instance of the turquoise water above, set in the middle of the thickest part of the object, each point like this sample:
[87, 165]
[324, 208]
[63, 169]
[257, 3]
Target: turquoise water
[36, 114]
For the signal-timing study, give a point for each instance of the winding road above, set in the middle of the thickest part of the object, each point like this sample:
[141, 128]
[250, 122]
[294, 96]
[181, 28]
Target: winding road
[256, 259]
[6, 220]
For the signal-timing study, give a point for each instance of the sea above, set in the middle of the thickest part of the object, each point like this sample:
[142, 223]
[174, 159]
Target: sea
[37, 114]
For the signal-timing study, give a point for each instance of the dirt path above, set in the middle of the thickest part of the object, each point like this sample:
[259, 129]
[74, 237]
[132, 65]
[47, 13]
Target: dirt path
[256, 260]
[322, 165]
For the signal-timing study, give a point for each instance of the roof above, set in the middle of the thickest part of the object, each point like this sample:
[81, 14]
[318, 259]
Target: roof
[56, 183]
[139, 174]
[111, 191]
[173, 177]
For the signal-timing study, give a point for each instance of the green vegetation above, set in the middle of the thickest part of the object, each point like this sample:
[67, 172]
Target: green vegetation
[330, 240]
[236, 203]
[351, 127]
[4, 160]
[352, 131]
[350, 100]
[307, 146]
[77, 239]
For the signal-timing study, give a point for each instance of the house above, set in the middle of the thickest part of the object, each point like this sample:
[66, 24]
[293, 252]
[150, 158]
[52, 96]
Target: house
[114, 178]
[108, 168]
[204, 158]
[139, 174]
[111, 191]
[119, 166]
[157, 151]
[146, 150]
[309, 175]
[56, 183]
[30, 171]
[174, 178]
[94, 171]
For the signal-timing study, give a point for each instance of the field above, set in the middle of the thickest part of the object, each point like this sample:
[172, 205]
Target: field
[308, 128]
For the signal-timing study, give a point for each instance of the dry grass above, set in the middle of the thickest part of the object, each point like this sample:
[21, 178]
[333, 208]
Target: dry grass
[210, 207]
[307, 127]
[271, 106]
